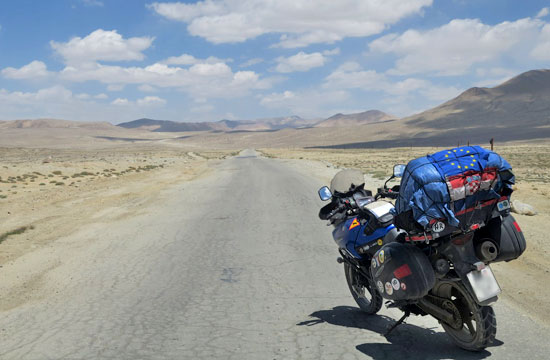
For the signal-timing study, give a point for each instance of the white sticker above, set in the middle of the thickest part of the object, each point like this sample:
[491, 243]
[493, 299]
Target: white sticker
[503, 205]
[438, 227]
[395, 284]
[380, 286]
[389, 288]
[374, 262]
[381, 256]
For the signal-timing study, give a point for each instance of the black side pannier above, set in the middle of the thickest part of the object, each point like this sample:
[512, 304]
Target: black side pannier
[506, 234]
[402, 272]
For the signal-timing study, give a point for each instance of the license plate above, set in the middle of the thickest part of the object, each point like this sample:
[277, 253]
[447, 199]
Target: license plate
[483, 283]
[503, 205]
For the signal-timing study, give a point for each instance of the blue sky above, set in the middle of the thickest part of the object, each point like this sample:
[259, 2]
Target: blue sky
[117, 60]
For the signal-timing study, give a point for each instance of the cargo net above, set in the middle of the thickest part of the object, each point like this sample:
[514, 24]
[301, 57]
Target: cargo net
[452, 189]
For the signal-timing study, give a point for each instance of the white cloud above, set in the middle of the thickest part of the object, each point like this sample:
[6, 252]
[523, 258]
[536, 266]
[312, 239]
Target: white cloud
[542, 49]
[186, 59]
[48, 97]
[251, 62]
[83, 96]
[202, 108]
[56, 94]
[147, 88]
[277, 98]
[453, 48]
[187, 12]
[92, 3]
[335, 51]
[60, 102]
[200, 80]
[312, 37]
[32, 70]
[308, 103]
[351, 76]
[110, 87]
[300, 62]
[120, 101]
[151, 101]
[102, 45]
[301, 22]
[543, 12]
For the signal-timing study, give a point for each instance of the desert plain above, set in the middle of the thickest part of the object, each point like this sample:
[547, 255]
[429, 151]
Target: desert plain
[71, 177]
[67, 195]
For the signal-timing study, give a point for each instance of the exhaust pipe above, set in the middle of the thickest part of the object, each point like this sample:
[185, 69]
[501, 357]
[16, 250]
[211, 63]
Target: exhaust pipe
[486, 251]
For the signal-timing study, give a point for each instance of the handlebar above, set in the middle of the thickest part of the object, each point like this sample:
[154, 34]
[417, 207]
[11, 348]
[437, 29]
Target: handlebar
[348, 206]
[392, 193]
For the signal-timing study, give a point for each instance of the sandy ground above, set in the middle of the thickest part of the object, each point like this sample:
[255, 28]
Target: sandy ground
[50, 193]
[46, 194]
[234, 264]
[524, 280]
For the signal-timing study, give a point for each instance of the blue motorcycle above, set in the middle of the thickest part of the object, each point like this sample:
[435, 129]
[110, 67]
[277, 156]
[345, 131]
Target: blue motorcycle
[444, 273]
[362, 224]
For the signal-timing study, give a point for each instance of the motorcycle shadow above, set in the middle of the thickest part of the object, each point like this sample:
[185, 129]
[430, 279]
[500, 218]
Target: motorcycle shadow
[406, 341]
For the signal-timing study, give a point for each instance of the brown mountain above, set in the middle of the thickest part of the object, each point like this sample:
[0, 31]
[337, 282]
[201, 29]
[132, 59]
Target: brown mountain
[516, 110]
[268, 124]
[164, 125]
[523, 101]
[363, 118]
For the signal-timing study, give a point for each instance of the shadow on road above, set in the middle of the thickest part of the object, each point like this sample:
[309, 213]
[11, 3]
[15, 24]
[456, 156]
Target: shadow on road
[407, 341]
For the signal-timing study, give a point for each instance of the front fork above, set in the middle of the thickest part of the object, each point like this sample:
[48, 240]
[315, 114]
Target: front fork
[362, 269]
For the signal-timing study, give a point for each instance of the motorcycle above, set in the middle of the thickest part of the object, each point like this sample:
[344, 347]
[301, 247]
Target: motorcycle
[454, 282]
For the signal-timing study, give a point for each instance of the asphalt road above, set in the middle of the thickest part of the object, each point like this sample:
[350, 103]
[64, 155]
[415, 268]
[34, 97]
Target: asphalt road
[234, 265]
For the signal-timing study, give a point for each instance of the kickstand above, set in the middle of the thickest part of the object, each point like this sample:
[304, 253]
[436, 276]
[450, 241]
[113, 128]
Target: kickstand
[399, 322]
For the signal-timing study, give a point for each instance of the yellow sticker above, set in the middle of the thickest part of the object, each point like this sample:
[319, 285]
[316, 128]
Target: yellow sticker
[381, 256]
[379, 242]
[355, 223]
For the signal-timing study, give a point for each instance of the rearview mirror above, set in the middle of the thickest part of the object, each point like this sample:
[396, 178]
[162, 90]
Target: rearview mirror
[325, 193]
[398, 170]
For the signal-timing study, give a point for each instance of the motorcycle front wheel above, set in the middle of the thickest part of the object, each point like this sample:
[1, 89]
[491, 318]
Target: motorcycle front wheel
[363, 290]
[475, 326]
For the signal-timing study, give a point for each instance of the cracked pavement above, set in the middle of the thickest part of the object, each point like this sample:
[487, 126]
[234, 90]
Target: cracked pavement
[234, 265]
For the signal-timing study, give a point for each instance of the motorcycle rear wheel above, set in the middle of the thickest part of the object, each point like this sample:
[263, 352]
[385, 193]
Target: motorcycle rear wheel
[363, 290]
[476, 326]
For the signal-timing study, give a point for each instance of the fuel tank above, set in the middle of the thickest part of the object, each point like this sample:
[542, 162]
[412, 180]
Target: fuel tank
[351, 235]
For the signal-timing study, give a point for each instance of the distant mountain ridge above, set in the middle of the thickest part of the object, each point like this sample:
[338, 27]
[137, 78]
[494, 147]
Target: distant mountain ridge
[518, 109]
[267, 124]
[164, 125]
[222, 125]
[358, 119]
[54, 124]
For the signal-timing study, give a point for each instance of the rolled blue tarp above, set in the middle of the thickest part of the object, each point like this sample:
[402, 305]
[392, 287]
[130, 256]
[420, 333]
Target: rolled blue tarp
[440, 185]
